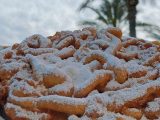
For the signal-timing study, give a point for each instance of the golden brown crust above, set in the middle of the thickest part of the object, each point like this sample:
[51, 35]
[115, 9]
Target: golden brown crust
[115, 31]
[84, 74]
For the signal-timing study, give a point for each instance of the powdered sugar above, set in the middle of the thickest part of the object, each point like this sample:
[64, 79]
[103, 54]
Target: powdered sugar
[114, 116]
[22, 113]
[49, 75]
[154, 105]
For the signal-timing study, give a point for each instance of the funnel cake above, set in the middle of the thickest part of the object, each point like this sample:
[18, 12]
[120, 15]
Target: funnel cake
[84, 74]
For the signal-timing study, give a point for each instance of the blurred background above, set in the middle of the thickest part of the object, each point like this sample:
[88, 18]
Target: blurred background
[22, 18]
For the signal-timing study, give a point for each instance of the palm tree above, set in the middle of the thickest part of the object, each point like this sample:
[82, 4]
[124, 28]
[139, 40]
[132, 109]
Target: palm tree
[114, 12]
[110, 12]
[131, 5]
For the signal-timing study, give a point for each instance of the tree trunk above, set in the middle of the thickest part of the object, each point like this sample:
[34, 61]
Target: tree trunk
[131, 4]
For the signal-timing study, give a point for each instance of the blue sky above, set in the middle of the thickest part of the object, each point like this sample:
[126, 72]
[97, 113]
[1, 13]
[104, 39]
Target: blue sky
[21, 18]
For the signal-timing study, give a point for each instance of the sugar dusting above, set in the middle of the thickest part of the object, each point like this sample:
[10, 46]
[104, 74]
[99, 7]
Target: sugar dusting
[43, 57]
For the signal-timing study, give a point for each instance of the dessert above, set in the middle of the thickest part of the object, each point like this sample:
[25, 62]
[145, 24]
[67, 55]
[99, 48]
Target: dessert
[81, 75]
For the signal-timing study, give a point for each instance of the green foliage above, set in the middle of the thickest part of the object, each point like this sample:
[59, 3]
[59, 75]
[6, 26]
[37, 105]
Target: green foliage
[110, 12]
[114, 13]
[152, 30]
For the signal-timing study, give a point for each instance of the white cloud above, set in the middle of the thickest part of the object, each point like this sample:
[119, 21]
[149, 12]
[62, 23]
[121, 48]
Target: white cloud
[21, 18]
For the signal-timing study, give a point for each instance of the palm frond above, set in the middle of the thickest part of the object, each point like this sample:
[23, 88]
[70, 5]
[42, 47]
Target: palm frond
[152, 30]
[143, 24]
[106, 9]
[88, 22]
[110, 12]
[156, 36]
[85, 4]
[100, 16]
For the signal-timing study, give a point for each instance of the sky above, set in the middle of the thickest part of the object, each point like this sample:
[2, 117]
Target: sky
[22, 18]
